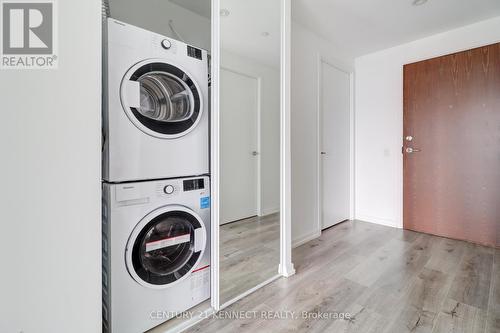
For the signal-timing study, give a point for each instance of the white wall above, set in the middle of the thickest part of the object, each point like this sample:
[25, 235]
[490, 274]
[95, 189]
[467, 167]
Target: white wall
[269, 123]
[154, 15]
[50, 242]
[307, 47]
[379, 116]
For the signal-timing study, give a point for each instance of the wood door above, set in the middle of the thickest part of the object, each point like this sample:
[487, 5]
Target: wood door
[239, 146]
[452, 115]
[335, 145]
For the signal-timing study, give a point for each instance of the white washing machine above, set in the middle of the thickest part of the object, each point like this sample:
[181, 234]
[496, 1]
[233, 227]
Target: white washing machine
[155, 112]
[156, 251]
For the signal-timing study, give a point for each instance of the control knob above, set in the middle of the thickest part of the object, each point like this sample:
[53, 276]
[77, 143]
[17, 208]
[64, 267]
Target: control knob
[169, 189]
[166, 44]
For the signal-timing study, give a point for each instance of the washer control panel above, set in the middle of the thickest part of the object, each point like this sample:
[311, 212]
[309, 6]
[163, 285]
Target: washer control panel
[172, 187]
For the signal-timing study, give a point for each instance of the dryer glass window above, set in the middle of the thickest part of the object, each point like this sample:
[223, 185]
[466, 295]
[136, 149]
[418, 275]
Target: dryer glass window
[164, 250]
[170, 104]
[164, 98]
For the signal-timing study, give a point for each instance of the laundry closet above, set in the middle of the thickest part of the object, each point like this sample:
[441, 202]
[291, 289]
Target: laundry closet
[192, 159]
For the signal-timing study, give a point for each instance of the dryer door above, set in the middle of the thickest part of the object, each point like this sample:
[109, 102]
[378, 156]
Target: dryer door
[165, 246]
[161, 99]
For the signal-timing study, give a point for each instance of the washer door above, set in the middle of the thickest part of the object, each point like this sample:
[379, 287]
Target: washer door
[165, 246]
[161, 99]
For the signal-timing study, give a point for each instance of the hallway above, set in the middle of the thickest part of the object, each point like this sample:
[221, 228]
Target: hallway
[388, 280]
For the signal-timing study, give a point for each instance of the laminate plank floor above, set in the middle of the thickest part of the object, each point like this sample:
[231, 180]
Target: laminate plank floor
[249, 254]
[383, 279]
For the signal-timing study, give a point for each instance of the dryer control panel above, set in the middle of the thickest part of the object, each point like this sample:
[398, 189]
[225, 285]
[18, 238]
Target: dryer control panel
[193, 52]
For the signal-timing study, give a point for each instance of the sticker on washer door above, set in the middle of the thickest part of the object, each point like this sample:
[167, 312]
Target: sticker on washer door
[162, 243]
[205, 202]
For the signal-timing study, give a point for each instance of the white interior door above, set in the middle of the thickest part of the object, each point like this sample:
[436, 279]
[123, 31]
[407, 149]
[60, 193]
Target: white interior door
[334, 181]
[239, 146]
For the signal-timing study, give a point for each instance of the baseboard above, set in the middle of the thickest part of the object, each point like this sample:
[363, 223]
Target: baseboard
[378, 220]
[307, 238]
[188, 323]
[269, 211]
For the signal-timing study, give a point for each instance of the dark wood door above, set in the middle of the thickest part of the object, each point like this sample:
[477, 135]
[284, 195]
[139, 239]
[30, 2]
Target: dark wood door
[452, 123]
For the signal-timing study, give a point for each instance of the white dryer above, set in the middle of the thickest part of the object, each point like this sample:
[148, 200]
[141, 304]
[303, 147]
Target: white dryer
[156, 251]
[155, 112]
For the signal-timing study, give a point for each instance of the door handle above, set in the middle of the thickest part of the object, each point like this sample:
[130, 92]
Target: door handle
[255, 153]
[323, 153]
[410, 150]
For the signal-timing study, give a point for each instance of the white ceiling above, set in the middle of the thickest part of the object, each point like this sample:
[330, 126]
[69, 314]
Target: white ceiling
[241, 31]
[362, 26]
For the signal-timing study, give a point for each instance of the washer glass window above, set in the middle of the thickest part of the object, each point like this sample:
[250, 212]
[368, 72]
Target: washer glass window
[164, 250]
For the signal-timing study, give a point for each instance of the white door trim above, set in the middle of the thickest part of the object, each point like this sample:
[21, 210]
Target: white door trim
[286, 266]
[259, 132]
[214, 157]
[319, 130]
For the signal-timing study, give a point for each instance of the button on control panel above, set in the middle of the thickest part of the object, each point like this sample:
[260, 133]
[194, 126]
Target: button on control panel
[168, 189]
[166, 44]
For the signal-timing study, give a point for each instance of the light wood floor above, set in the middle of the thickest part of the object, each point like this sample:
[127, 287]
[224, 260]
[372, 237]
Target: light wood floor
[388, 279]
[249, 254]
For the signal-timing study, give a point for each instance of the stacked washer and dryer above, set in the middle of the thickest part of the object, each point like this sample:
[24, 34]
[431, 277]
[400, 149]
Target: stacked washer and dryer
[156, 189]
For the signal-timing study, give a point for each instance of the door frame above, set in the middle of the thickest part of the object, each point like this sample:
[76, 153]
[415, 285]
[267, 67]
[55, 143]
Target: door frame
[319, 130]
[286, 267]
[259, 132]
